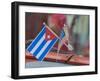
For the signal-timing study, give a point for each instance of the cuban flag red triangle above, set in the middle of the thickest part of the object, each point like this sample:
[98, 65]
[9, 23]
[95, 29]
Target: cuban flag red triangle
[49, 35]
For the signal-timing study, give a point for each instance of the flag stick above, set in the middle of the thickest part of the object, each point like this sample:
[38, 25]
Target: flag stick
[69, 46]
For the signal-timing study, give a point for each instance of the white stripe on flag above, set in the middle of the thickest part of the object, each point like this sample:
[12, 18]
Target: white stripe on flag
[44, 47]
[38, 44]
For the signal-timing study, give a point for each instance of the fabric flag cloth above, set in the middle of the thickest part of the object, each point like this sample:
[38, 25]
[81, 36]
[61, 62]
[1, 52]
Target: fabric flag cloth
[43, 43]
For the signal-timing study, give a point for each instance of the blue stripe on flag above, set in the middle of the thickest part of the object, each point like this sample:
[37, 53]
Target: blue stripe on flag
[39, 48]
[47, 49]
[34, 42]
[62, 34]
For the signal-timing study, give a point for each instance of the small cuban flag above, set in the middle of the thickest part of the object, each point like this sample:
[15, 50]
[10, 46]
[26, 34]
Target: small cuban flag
[43, 43]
